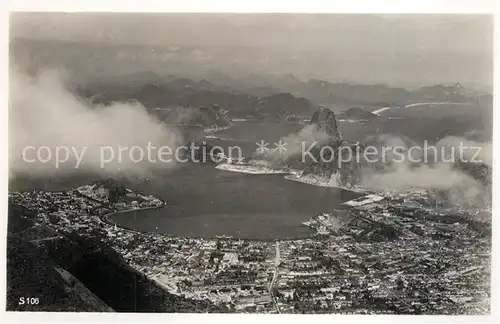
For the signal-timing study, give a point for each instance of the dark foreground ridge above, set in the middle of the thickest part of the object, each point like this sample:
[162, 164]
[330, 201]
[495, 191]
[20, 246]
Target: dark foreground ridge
[71, 272]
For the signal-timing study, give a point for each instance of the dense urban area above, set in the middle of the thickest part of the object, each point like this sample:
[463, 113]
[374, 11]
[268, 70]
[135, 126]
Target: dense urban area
[401, 253]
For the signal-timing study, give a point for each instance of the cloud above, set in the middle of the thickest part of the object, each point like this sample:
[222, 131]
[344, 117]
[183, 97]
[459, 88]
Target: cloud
[443, 176]
[43, 113]
[295, 144]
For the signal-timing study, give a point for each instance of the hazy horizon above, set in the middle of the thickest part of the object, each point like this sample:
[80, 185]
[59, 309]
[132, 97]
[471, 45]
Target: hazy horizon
[395, 49]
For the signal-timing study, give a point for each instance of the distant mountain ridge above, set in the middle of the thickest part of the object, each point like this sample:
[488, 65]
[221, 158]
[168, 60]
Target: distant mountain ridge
[333, 94]
[174, 100]
[165, 93]
[372, 95]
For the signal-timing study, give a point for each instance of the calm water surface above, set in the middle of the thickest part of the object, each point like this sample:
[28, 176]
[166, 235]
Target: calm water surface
[203, 201]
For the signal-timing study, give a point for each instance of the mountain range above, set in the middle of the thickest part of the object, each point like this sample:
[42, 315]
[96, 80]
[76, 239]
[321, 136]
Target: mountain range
[317, 91]
[167, 94]
[256, 97]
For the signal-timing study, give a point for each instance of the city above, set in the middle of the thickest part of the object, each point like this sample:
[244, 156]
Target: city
[397, 254]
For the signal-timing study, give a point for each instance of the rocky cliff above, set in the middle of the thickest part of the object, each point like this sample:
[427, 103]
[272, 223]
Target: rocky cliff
[333, 160]
[325, 121]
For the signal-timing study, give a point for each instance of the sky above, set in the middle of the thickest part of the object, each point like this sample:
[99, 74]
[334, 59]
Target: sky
[391, 48]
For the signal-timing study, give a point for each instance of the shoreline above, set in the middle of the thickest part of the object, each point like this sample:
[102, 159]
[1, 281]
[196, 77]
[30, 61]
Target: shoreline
[249, 169]
[317, 183]
[105, 218]
[291, 175]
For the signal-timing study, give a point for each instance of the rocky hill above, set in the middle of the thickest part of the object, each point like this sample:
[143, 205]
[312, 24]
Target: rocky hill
[206, 116]
[478, 195]
[477, 170]
[357, 114]
[325, 121]
[322, 160]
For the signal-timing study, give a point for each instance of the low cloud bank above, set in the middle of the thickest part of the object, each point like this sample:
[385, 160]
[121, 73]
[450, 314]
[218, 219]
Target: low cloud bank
[48, 123]
[461, 187]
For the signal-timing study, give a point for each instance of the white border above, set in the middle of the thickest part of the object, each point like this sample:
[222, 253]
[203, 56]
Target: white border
[309, 6]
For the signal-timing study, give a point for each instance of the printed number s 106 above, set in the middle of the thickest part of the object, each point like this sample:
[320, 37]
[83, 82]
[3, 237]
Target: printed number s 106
[29, 300]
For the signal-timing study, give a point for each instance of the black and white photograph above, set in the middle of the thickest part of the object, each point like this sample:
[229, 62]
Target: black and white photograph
[250, 163]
